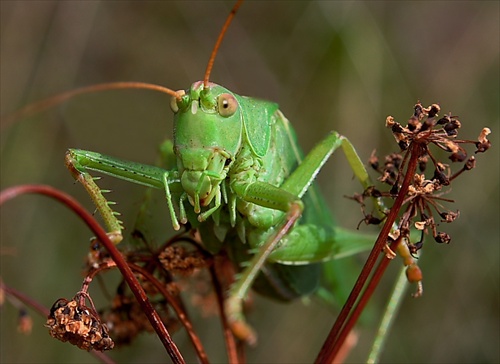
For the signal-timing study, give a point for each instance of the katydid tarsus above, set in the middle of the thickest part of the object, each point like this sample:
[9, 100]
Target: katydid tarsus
[242, 180]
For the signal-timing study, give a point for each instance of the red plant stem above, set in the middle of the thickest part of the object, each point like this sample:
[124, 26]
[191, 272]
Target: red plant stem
[232, 352]
[173, 302]
[202, 356]
[365, 297]
[122, 265]
[333, 343]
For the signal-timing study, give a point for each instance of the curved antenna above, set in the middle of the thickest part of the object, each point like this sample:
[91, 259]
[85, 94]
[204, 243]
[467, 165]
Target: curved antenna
[57, 99]
[219, 41]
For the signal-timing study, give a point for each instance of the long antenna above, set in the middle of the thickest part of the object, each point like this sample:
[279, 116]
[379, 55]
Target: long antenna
[57, 99]
[219, 41]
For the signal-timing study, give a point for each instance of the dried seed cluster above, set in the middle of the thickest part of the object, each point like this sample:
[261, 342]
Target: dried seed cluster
[424, 197]
[76, 323]
[178, 260]
[424, 194]
[126, 319]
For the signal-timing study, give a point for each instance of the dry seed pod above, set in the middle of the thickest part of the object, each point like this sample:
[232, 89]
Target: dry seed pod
[70, 321]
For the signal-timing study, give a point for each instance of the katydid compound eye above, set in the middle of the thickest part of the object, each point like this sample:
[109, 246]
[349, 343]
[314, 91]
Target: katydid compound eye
[227, 105]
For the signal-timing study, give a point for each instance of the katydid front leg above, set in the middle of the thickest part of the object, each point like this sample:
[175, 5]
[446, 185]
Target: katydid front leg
[80, 161]
[314, 243]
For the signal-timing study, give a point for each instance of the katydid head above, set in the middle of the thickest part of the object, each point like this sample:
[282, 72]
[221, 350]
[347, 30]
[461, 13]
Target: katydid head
[208, 127]
[207, 136]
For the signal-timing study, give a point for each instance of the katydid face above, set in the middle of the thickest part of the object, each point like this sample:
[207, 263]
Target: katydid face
[207, 137]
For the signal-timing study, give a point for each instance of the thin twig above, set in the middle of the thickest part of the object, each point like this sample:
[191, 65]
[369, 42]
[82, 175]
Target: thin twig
[333, 342]
[232, 352]
[202, 355]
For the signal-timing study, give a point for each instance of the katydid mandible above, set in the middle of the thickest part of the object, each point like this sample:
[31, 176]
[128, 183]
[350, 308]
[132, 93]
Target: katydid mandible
[242, 180]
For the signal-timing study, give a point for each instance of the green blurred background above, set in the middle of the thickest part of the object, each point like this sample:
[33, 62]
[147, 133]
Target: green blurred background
[330, 65]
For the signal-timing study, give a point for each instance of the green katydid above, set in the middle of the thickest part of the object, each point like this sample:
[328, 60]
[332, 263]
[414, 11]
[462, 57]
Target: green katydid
[241, 179]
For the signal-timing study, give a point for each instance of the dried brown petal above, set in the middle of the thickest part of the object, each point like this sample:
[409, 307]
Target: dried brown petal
[458, 156]
[420, 225]
[358, 197]
[471, 163]
[397, 128]
[389, 122]
[441, 178]
[482, 136]
[483, 143]
[434, 110]
[442, 238]
[373, 161]
[449, 216]
[451, 127]
[444, 120]
[372, 192]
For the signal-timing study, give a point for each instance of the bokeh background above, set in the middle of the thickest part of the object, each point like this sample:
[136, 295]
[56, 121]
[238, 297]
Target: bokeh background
[330, 65]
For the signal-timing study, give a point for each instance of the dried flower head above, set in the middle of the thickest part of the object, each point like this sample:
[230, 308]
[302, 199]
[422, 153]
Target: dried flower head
[74, 322]
[424, 196]
[425, 186]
